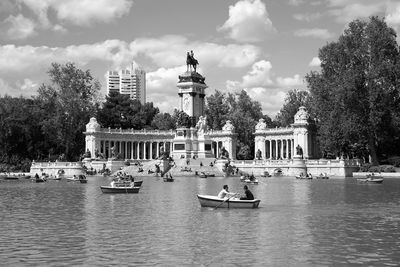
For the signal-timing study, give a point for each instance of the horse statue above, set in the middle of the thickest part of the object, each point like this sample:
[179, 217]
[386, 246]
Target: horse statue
[191, 61]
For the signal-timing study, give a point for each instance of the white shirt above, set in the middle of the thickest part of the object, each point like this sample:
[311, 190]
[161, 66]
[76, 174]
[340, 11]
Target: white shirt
[223, 194]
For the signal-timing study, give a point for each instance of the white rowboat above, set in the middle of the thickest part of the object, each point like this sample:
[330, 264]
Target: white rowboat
[214, 201]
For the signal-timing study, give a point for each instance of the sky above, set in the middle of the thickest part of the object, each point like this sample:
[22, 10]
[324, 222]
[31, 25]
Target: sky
[265, 47]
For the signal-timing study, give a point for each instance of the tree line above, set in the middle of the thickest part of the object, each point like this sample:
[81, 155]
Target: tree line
[353, 101]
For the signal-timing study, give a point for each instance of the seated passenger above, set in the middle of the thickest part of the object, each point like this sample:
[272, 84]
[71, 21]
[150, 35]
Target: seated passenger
[249, 195]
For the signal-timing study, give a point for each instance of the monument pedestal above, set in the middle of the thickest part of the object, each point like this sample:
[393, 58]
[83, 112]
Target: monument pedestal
[298, 166]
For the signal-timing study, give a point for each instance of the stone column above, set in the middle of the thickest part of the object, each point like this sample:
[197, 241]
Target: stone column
[270, 148]
[158, 149]
[138, 150]
[151, 150]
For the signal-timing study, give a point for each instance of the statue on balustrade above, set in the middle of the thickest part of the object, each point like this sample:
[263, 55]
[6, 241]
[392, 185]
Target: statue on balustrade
[258, 154]
[223, 154]
[201, 125]
[87, 154]
[299, 151]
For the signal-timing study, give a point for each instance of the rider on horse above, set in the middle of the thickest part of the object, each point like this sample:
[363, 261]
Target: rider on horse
[190, 60]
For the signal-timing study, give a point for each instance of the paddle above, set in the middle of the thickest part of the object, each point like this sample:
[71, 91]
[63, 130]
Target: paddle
[216, 207]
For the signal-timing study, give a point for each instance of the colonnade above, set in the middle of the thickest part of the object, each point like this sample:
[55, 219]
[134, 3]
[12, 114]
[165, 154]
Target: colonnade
[134, 149]
[278, 149]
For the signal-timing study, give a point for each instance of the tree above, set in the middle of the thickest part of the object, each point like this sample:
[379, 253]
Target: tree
[163, 121]
[217, 110]
[182, 119]
[69, 102]
[356, 95]
[120, 111]
[293, 100]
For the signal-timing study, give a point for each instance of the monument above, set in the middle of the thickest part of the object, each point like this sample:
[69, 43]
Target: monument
[192, 141]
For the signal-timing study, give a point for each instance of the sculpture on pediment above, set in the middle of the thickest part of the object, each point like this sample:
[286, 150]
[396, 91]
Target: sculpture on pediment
[191, 61]
[261, 125]
[228, 127]
[301, 116]
[201, 125]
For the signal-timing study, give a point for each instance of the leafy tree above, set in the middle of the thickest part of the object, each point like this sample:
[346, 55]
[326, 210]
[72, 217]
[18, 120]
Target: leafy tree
[120, 111]
[293, 100]
[182, 119]
[356, 95]
[163, 121]
[69, 102]
[217, 110]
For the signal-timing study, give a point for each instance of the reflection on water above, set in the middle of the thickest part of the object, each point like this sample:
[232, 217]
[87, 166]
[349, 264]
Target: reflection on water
[299, 222]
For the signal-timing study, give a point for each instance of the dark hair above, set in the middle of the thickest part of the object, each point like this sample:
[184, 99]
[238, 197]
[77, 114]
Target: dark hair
[245, 187]
[225, 186]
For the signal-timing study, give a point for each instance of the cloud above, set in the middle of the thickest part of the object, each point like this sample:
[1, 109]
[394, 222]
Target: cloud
[271, 99]
[27, 85]
[6, 88]
[294, 81]
[86, 12]
[315, 62]
[29, 58]
[345, 11]
[315, 32]
[161, 87]
[307, 17]
[263, 85]
[163, 54]
[78, 12]
[19, 27]
[393, 14]
[296, 2]
[248, 22]
[259, 75]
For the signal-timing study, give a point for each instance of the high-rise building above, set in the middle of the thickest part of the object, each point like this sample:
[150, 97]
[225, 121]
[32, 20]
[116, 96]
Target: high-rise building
[129, 82]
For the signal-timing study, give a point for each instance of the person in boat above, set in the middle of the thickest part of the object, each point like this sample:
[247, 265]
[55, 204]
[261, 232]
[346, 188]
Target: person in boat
[112, 184]
[36, 176]
[247, 192]
[224, 193]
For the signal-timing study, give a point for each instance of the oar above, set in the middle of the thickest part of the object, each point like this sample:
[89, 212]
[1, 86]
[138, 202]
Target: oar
[224, 201]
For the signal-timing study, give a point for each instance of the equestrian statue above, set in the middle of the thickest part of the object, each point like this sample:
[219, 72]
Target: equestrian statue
[191, 61]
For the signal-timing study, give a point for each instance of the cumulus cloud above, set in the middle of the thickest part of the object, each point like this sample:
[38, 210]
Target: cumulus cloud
[307, 17]
[263, 85]
[345, 11]
[393, 14]
[163, 54]
[161, 87]
[315, 32]
[6, 88]
[86, 12]
[248, 22]
[19, 27]
[296, 80]
[315, 62]
[259, 75]
[77, 12]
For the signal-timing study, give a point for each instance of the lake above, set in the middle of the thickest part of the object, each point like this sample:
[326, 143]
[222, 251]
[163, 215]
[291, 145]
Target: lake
[299, 222]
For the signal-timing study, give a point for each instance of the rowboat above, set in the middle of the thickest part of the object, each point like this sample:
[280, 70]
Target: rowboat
[168, 179]
[81, 178]
[248, 181]
[9, 177]
[214, 201]
[127, 189]
[371, 180]
[124, 183]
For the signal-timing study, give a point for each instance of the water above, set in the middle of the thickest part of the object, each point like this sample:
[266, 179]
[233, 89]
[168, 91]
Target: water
[299, 222]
